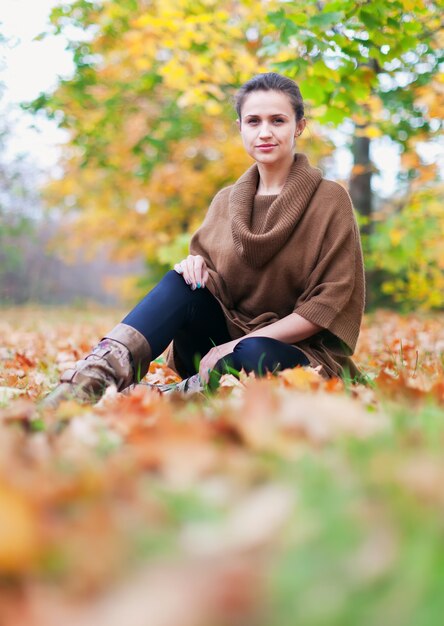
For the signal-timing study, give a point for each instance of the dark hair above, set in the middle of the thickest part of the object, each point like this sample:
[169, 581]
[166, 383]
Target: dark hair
[271, 81]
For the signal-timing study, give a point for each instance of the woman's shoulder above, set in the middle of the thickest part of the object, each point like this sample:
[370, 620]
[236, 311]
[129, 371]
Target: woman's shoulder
[220, 200]
[333, 195]
[223, 193]
[333, 189]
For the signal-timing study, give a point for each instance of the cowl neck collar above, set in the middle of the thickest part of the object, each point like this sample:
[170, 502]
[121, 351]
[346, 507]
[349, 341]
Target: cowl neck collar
[282, 216]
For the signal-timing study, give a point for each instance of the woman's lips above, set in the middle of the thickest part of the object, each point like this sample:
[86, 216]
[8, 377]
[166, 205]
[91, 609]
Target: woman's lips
[266, 147]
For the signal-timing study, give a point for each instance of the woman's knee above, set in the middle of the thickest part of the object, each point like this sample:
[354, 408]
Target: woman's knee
[173, 287]
[261, 354]
[252, 347]
[251, 353]
[173, 278]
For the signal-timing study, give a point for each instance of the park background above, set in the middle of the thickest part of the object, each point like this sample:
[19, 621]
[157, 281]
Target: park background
[150, 136]
[332, 511]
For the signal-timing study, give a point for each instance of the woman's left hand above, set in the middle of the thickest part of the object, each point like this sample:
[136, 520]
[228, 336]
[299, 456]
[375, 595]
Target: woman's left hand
[213, 356]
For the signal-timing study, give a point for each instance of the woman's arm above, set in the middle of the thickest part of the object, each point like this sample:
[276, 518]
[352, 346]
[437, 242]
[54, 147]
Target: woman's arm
[289, 329]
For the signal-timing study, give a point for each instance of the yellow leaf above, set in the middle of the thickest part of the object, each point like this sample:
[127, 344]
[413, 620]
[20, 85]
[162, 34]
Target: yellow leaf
[396, 236]
[175, 75]
[213, 108]
[373, 132]
[143, 63]
[411, 5]
[302, 378]
[18, 533]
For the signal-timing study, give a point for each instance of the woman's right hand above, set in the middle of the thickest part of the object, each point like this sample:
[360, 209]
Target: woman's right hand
[194, 271]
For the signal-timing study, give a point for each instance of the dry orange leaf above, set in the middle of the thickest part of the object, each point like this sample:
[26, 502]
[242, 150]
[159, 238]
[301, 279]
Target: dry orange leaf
[18, 532]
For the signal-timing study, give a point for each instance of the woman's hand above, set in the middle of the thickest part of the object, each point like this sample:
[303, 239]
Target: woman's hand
[213, 356]
[194, 271]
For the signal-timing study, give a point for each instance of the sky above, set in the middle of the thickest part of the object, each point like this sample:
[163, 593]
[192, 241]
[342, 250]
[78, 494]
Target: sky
[27, 68]
[30, 67]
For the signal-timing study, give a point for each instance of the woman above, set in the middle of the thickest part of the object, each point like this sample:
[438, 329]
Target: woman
[274, 278]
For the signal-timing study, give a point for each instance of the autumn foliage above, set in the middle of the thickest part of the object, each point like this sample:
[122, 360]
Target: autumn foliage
[153, 136]
[272, 501]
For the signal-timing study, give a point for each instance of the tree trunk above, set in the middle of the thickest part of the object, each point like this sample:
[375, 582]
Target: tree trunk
[360, 182]
[361, 193]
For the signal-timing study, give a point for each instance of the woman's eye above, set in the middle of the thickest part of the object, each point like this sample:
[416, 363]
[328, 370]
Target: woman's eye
[252, 121]
[278, 120]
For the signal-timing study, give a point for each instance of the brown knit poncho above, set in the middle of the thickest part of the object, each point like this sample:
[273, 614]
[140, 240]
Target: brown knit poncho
[299, 251]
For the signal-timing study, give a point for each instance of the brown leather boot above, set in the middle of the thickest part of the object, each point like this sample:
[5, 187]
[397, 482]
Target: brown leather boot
[190, 386]
[121, 358]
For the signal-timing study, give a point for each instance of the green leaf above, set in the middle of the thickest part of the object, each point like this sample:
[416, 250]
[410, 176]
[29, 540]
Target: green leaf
[321, 70]
[299, 18]
[277, 17]
[289, 29]
[313, 89]
[412, 27]
[369, 20]
[321, 20]
[393, 23]
[292, 67]
[334, 115]
[37, 425]
[288, 25]
[408, 42]
[340, 6]
[359, 91]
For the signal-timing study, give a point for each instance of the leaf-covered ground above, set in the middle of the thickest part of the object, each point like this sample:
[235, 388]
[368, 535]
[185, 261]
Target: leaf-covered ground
[280, 502]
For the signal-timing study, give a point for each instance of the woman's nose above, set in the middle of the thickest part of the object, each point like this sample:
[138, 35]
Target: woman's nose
[264, 130]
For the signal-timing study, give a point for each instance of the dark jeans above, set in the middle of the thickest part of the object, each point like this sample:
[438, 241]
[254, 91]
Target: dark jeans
[194, 319]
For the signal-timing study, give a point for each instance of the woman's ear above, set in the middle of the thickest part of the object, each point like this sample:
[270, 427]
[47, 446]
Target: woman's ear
[300, 127]
[238, 122]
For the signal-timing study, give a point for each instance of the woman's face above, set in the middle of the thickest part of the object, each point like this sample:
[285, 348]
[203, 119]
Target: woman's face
[268, 127]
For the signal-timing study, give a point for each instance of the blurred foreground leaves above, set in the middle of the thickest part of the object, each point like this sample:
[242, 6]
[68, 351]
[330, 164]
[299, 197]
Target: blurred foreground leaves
[273, 502]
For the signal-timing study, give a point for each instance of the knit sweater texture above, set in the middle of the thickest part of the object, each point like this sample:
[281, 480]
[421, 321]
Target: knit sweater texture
[299, 251]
